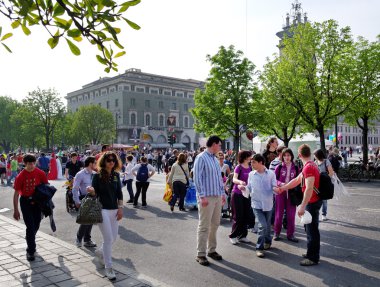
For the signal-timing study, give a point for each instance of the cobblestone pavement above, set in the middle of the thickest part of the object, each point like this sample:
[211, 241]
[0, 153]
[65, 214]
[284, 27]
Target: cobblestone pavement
[57, 263]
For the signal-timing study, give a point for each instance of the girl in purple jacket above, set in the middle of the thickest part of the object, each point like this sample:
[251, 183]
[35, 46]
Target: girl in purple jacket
[285, 172]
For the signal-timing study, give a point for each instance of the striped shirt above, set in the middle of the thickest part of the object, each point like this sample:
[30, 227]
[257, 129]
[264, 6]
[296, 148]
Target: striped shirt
[207, 175]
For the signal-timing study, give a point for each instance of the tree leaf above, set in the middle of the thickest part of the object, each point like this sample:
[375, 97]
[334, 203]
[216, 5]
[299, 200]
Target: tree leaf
[58, 10]
[74, 49]
[73, 33]
[78, 39]
[132, 24]
[101, 60]
[6, 47]
[25, 30]
[120, 54]
[117, 44]
[6, 36]
[53, 42]
[15, 24]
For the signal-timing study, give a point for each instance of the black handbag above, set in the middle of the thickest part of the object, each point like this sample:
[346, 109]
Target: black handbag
[90, 211]
[295, 195]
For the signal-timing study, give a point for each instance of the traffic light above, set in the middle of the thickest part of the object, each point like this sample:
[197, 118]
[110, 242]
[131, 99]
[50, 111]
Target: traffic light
[170, 140]
[174, 138]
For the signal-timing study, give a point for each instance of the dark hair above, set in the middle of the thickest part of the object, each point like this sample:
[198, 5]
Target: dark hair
[175, 151]
[243, 155]
[143, 159]
[130, 157]
[280, 149]
[259, 158]
[102, 162]
[320, 154]
[29, 158]
[304, 150]
[104, 147]
[289, 151]
[213, 139]
[42, 154]
[73, 154]
[270, 140]
[88, 160]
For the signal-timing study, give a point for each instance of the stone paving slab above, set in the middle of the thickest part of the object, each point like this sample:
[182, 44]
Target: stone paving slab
[57, 263]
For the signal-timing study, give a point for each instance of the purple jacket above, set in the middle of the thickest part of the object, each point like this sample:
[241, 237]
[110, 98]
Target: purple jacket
[281, 171]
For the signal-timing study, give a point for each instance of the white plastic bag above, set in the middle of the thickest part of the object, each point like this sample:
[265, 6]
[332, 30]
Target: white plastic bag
[306, 218]
[339, 189]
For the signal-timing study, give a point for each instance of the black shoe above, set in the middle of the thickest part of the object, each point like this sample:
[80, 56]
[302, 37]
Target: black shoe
[30, 257]
[293, 239]
[202, 260]
[182, 209]
[130, 201]
[215, 256]
[171, 208]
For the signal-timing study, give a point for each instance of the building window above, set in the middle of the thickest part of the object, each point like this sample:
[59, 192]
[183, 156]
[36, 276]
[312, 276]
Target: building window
[160, 104]
[126, 88]
[104, 92]
[116, 103]
[179, 94]
[112, 90]
[161, 120]
[147, 119]
[153, 91]
[147, 103]
[186, 122]
[140, 89]
[133, 119]
[174, 106]
[186, 107]
[167, 93]
[133, 102]
[108, 104]
[96, 94]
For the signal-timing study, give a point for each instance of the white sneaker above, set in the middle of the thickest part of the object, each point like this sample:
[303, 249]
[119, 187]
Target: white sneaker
[110, 274]
[324, 218]
[78, 243]
[244, 239]
[99, 256]
[234, 241]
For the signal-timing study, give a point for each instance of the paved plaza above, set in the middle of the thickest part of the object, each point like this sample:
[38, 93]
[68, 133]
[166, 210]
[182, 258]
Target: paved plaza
[157, 248]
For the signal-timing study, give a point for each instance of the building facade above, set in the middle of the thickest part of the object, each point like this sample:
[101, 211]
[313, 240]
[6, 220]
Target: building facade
[147, 108]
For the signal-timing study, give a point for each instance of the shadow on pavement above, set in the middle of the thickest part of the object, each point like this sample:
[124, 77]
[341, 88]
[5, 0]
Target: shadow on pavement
[352, 225]
[133, 237]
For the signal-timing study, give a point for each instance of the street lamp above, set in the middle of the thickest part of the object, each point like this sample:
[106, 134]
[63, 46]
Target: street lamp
[117, 116]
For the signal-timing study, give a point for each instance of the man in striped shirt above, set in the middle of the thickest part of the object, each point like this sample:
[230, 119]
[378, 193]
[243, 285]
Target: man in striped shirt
[210, 193]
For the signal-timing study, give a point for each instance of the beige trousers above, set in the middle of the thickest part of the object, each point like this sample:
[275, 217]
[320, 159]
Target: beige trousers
[209, 221]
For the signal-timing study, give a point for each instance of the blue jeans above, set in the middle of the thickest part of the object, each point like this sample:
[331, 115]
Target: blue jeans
[264, 218]
[13, 175]
[130, 189]
[312, 231]
[324, 207]
[31, 214]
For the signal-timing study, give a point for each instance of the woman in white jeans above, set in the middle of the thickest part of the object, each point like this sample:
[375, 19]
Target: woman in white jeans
[106, 185]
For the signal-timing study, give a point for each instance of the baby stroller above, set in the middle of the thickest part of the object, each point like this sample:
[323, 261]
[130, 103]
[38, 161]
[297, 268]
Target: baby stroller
[228, 186]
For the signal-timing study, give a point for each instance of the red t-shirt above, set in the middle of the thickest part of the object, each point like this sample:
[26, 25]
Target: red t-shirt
[20, 158]
[26, 181]
[311, 169]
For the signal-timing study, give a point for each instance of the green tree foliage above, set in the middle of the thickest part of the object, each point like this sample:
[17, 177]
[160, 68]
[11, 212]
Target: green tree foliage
[92, 124]
[47, 111]
[72, 21]
[224, 106]
[7, 108]
[366, 83]
[276, 117]
[315, 68]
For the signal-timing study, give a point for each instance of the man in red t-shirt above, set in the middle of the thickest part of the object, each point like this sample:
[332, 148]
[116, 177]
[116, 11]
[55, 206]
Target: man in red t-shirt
[309, 177]
[24, 186]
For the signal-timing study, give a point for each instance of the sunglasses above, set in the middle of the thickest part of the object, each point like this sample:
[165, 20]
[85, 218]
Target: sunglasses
[110, 160]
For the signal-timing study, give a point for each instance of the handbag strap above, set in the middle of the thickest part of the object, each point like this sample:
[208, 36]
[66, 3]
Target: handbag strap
[187, 179]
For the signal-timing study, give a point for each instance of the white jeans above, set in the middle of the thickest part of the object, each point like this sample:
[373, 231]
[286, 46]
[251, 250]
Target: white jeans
[109, 229]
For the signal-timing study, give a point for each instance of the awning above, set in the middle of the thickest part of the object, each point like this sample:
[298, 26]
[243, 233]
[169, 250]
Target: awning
[159, 145]
[179, 145]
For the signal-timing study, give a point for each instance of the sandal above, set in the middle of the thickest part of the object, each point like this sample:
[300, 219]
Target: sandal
[308, 262]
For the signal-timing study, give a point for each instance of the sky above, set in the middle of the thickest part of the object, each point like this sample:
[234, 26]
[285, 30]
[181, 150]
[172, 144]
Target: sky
[174, 40]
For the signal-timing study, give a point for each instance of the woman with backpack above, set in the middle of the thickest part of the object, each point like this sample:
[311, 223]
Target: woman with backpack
[285, 172]
[178, 181]
[240, 205]
[324, 165]
[143, 172]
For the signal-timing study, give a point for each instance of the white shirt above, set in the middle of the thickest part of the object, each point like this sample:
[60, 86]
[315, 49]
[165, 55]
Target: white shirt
[150, 169]
[128, 171]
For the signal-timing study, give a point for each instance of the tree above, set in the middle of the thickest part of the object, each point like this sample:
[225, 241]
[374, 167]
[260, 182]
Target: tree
[94, 124]
[224, 106]
[7, 108]
[47, 110]
[93, 20]
[276, 116]
[366, 83]
[315, 68]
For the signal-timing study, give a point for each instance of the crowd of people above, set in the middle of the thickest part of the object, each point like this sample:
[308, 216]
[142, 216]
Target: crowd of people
[258, 191]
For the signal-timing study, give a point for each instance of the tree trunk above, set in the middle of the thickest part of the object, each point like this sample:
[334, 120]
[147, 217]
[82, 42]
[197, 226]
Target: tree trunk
[47, 140]
[236, 140]
[321, 132]
[6, 146]
[285, 138]
[365, 139]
